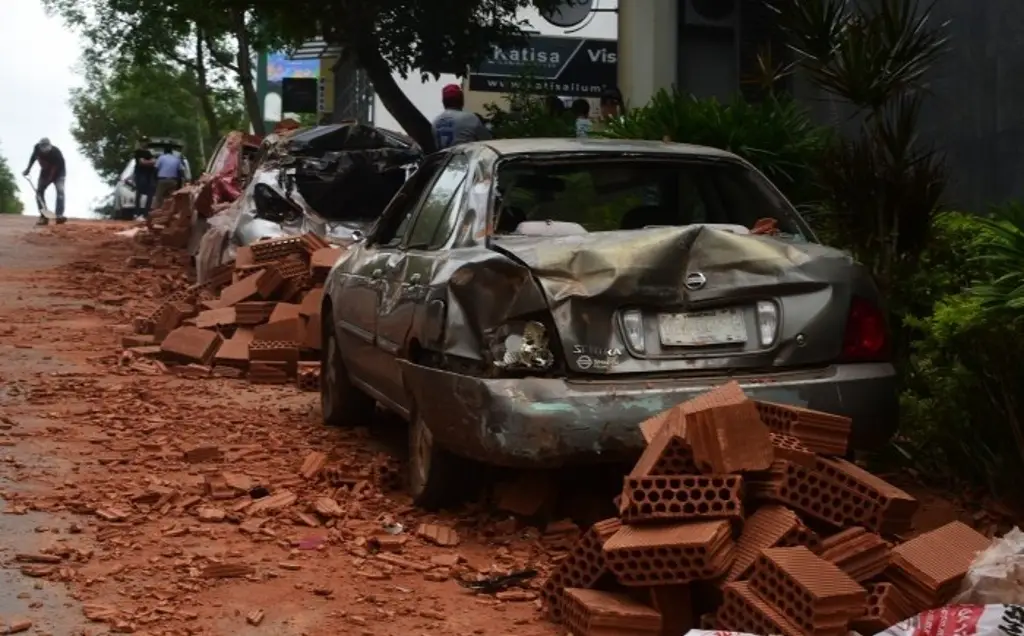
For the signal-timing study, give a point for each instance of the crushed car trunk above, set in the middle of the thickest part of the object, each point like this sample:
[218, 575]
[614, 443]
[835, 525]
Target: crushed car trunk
[331, 180]
[689, 298]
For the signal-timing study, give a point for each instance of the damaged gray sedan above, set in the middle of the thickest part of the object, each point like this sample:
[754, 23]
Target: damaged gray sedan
[526, 303]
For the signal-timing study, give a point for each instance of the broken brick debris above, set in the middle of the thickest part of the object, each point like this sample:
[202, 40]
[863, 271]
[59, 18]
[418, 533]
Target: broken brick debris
[723, 500]
[861, 554]
[313, 465]
[191, 344]
[823, 433]
[307, 377]
[438, 535]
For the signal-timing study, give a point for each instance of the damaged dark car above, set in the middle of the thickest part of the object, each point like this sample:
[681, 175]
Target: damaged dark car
[333, 181]
[527, 303]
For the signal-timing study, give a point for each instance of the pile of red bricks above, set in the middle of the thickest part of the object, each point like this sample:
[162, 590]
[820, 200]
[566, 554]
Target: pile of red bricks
[257, 317]
[742, 516]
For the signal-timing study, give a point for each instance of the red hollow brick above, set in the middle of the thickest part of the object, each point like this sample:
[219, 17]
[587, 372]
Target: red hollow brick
[766, 528]
[191, 344]
[582, 568]
[861, 554]
[822, 433]
[742, 610]
[928, 569]
[596, 613]
[669, 554]
[895, 508]
[679, 498]
[812, 494]
[809, 591]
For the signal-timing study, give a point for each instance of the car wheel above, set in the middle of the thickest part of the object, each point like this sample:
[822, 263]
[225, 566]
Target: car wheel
[341, 402]
[436, 477]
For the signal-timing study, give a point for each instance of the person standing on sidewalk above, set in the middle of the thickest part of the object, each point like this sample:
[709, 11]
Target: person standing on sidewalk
[455, 126]
[169, 172]
[52, 171]
[143, 179]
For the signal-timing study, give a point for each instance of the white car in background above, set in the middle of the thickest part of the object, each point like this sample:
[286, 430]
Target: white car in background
[124, 192]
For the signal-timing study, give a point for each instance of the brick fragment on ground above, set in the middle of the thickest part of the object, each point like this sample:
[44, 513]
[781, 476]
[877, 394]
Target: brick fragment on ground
[582, 568]
[312, 465]
[191, 344]
[308, 376]
[438, 535]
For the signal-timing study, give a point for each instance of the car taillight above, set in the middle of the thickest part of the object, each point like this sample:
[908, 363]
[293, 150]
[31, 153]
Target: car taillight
[866, 338]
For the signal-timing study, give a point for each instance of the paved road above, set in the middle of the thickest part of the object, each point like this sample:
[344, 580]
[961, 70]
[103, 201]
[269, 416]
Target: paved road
[47, 604]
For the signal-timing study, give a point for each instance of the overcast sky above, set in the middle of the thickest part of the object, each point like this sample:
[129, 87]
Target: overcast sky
[41, 53]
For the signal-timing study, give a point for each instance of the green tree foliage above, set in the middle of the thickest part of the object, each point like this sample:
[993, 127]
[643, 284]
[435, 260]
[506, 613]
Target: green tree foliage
[9, 201]
[210, 41]
[118, 106]
[384, 37]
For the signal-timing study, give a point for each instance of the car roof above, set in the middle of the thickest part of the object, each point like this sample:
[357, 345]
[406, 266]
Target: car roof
[587, 144]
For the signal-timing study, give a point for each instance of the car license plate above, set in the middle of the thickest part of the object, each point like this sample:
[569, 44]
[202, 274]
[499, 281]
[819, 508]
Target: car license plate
[702, 328]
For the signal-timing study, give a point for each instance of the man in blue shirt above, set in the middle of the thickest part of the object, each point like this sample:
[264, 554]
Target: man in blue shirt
[455, 126]
[169, 171]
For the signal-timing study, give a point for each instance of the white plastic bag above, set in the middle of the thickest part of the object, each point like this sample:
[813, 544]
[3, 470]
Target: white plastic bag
[997, 575]
[963, 620]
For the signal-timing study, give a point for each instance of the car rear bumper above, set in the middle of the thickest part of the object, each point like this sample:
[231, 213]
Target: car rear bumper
[550, 422]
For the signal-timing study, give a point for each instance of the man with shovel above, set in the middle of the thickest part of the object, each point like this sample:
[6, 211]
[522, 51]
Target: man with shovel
[52, 171]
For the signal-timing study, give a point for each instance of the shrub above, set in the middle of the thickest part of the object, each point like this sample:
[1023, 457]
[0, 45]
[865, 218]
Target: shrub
[775, 135]
[962, 417]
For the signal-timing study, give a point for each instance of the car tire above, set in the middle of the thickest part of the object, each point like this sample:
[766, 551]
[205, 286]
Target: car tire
[437, 478]
[341, 403]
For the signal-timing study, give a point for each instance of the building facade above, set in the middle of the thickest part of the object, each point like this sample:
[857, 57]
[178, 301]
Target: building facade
[975, 113]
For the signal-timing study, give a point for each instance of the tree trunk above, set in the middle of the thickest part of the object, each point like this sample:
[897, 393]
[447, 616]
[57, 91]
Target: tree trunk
[203, 93]
[394, 98]
[245, 76]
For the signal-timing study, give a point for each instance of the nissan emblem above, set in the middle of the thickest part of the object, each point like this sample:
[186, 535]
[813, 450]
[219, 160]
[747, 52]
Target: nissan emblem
[695, 281]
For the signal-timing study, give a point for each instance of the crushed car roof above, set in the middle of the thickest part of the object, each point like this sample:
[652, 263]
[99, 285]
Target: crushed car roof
[557, 145]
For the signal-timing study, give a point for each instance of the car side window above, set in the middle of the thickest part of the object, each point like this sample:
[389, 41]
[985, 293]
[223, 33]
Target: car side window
[435, 205]
[394, 222]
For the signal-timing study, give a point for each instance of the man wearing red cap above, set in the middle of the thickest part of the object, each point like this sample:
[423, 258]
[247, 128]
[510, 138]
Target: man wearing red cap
[455, 126]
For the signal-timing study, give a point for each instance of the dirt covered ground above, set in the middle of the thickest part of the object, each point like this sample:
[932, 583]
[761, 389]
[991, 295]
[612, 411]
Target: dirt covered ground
[109, 527]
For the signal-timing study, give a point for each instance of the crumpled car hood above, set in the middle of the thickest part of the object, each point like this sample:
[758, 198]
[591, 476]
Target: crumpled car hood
[653, 263]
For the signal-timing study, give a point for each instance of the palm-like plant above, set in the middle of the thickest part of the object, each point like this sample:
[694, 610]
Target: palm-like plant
[883, 185]
[1002, 252]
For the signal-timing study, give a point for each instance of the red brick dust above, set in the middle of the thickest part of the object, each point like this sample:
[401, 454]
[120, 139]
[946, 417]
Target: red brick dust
[151, 542]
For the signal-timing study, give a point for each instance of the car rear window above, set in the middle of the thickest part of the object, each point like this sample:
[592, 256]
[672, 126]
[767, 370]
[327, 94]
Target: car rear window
[603, 195]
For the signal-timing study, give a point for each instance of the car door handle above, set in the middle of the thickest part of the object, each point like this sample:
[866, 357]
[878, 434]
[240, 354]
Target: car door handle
[414, 279]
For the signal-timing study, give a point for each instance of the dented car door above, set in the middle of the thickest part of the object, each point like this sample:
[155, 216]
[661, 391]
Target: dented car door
[409, 272]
